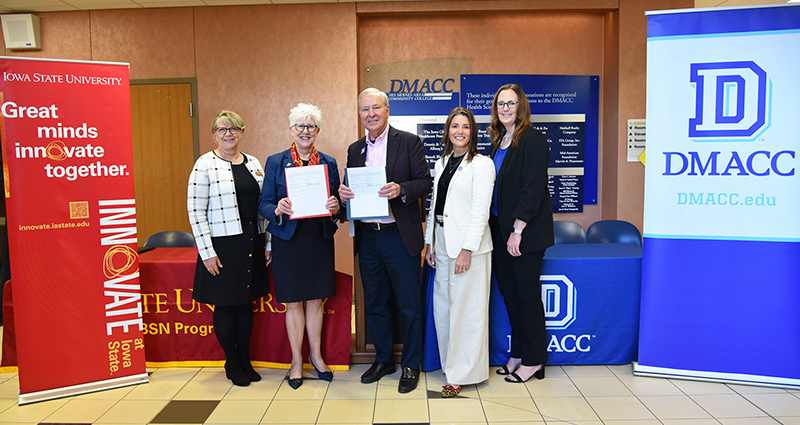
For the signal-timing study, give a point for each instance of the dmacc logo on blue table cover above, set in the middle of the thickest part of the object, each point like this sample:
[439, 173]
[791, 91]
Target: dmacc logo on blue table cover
[559, 298]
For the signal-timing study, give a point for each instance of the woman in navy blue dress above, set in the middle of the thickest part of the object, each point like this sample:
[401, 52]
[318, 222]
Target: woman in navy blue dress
[302, 250]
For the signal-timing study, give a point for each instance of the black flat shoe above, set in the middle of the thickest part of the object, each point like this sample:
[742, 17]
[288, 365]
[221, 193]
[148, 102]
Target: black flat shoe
[296, 382]
[377, 371]
[409, 380]
[325, 376]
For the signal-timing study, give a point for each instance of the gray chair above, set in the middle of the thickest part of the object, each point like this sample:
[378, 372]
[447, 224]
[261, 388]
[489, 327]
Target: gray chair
[613, 231]
[568, 232]
[170, 238]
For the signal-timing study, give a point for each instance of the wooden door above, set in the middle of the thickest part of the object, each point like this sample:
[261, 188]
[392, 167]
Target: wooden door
[163, 155]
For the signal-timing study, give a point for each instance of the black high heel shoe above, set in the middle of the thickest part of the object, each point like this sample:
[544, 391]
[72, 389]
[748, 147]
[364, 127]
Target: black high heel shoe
[325, 376]
[539, 374]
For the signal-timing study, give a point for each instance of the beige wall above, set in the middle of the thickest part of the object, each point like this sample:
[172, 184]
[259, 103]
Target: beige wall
[262, 60]
[629, 186]
[259, 61]
[519, 42]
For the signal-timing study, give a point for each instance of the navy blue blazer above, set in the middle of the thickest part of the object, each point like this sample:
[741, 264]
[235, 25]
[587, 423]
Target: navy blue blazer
[274, 190]
[405, 165]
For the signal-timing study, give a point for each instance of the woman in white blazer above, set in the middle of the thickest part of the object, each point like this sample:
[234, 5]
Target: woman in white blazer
[458, 245]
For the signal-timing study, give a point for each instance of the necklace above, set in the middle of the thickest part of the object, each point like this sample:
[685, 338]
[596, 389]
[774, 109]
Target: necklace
[507, 138]
[452, 165]
[506, 141]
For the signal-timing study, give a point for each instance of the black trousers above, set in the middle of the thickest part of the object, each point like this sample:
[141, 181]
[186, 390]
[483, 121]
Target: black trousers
[518, 282]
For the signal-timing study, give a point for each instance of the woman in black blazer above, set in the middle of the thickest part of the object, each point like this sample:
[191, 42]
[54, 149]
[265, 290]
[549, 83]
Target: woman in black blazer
[521, 221]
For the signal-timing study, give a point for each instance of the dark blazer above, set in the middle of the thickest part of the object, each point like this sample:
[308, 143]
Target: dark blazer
[275, 189]
[522, 191]
[405, 165]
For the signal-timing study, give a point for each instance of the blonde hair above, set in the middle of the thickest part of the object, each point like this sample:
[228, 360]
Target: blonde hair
[228, 118]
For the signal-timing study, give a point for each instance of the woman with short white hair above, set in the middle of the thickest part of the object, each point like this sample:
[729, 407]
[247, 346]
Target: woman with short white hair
[303, 250]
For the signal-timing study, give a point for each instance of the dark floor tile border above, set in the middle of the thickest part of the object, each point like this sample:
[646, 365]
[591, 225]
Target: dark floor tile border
[185, 412]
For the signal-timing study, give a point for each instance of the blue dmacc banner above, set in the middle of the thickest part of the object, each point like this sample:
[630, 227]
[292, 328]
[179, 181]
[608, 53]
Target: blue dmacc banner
[721, 260]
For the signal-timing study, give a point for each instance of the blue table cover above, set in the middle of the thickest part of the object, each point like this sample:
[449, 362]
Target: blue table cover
[591, 294]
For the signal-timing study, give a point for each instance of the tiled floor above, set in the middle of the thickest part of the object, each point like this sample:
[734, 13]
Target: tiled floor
[569, 395]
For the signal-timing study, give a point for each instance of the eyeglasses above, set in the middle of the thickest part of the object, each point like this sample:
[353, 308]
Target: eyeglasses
[300, 127]
[511, 105]
[223, 130]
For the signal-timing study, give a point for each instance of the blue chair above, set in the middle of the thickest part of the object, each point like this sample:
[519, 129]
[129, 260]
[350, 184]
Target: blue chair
[568, 232]
[170, 238]
[613, 231]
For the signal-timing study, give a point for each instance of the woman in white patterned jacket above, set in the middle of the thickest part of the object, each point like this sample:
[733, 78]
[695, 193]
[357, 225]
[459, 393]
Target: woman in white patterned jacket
[233, 251]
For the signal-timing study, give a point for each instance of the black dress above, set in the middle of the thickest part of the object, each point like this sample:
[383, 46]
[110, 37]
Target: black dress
[243, 275]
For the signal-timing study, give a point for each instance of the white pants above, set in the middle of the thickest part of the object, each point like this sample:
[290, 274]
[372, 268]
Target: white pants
[461, 315]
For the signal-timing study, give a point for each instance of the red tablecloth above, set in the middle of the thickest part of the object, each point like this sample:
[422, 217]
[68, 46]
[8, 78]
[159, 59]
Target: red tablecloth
[179, 331]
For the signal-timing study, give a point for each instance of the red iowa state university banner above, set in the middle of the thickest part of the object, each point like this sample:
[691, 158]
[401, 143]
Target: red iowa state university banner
[68, 172]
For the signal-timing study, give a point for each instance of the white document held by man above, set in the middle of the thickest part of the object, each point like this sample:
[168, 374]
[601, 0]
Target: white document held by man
[308, 189]
[365, 182]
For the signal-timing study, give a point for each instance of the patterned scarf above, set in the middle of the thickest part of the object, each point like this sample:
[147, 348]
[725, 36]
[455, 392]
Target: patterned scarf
[312, 160]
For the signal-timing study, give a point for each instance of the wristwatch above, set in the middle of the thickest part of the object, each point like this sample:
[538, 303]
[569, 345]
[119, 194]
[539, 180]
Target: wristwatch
[517, 231]
[402, 190]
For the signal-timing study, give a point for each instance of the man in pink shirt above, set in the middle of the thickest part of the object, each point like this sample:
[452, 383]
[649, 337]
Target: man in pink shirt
[389, 249]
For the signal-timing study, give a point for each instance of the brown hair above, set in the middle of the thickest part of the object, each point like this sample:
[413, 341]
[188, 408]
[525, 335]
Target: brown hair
[497, 130]
[447, 144]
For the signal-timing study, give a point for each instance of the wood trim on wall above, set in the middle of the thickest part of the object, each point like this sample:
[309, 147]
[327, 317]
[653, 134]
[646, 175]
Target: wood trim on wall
[195, 110]
[486, 6]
